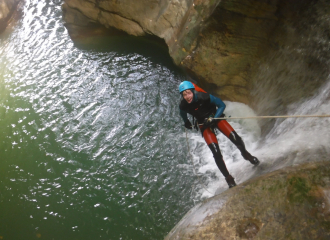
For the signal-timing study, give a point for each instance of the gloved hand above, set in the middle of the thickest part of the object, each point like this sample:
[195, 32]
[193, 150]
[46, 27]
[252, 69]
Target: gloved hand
[209, 122]
[188, 124]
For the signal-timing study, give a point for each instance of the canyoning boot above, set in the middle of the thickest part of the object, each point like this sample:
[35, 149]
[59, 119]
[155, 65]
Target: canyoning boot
[237, 140]
[253, 160]
[230, 180]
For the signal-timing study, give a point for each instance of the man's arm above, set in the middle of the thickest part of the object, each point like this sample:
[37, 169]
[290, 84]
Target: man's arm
[187, 123]
[219, 103]
[184, 116]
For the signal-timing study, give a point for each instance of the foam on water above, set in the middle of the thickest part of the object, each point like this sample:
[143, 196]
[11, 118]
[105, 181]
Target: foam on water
[213, 180]
[291, 141]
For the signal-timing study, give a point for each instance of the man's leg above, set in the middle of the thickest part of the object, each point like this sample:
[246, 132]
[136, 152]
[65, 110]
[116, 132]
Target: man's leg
[227, 130]
[212, 142]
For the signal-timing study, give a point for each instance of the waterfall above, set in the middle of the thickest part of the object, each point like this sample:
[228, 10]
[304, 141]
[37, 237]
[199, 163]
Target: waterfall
[292, 79]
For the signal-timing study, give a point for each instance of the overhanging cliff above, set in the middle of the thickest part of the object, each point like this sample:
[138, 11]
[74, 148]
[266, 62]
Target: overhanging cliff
[220, 43]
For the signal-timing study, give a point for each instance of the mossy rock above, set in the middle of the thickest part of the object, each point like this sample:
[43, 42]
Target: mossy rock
[291, 203]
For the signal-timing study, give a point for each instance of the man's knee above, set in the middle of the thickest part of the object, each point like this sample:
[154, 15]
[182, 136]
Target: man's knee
[215, 150]
[237, 140]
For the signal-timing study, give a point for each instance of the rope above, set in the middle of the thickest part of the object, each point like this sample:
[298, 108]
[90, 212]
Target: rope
[292, 116]
[200, 182]
[263, 117]
[251, 117]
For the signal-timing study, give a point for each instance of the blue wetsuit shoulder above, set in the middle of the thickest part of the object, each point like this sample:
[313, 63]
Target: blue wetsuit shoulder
[219, 103]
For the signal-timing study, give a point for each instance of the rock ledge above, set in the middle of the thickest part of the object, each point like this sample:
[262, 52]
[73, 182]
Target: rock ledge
[291, 203]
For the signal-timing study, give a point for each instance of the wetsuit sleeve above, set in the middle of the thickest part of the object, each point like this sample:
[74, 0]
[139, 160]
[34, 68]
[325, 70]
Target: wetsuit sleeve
[219, 103]
[184, 116]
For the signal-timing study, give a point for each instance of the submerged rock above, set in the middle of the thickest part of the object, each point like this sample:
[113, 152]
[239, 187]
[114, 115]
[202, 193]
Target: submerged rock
[291, 203]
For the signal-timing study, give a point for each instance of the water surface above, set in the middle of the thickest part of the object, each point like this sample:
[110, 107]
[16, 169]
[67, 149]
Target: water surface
[88, 146]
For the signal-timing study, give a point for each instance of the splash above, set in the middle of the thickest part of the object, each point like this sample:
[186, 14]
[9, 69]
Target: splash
[291, 141]
[213, 181]
[292, 79]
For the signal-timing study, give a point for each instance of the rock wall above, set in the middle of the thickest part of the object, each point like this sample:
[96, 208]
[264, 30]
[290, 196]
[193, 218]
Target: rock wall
[219, 43]
[230, 43]
[291, 203]
[7, 8]
[168, 20]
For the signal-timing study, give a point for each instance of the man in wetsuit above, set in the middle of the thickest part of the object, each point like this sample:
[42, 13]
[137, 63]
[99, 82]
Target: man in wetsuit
[205, 108]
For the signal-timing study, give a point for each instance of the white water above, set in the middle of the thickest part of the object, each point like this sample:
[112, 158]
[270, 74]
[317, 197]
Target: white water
[291, 141]
[301, 140]
[210, 177]
[293, 79]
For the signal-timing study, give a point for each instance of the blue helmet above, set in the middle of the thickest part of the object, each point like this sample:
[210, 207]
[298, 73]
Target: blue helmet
[185, 85]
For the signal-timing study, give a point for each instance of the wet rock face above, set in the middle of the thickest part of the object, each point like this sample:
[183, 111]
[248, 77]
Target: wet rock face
[248, 228]
[162, 18]
[217, 42]
[267, 54]
[7, 8]
[177, 22]
[292, 203]
[230, 43]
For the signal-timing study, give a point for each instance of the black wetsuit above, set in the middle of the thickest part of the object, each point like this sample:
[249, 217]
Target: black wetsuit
[203, 106]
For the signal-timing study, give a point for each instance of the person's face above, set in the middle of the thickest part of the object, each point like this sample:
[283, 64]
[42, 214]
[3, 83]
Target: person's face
[188, 95]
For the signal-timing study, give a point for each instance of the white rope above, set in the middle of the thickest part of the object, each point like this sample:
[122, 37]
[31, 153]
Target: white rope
[292, 116]
[263, 117]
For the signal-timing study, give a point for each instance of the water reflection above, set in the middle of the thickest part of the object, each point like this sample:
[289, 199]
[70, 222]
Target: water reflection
[89, 143]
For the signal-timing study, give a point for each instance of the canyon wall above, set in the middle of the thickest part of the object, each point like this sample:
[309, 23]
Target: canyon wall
[7, 9]
[220, 44]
